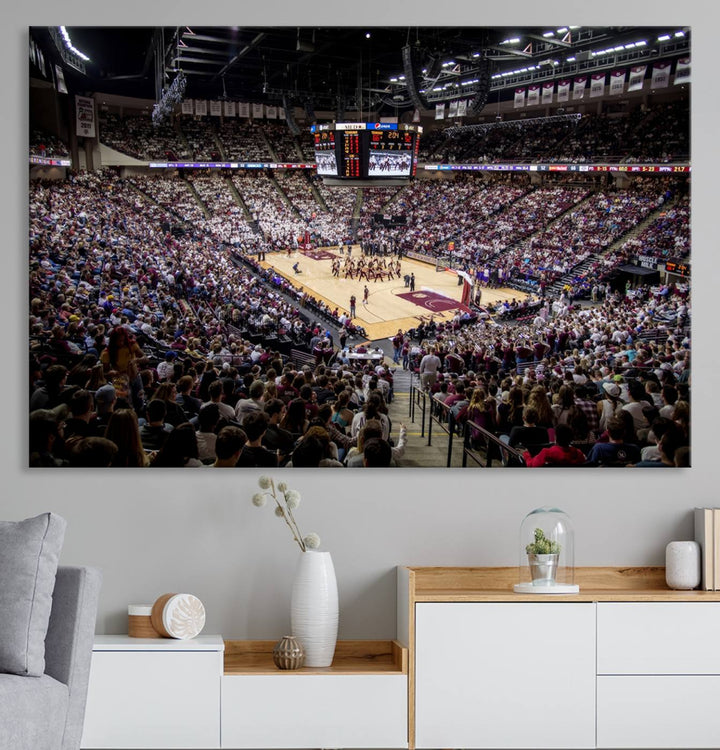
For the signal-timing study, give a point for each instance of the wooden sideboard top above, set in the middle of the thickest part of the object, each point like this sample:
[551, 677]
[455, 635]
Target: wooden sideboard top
[351, 657]
[632, 584]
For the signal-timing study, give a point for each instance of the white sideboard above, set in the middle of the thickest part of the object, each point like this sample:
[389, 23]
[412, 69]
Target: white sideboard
[626, 663]
[206, 693]
[154, 693]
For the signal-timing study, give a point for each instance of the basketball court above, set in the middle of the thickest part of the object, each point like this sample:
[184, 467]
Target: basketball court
[391, 305]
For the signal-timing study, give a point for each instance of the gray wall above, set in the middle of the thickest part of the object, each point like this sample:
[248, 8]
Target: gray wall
[196, 531]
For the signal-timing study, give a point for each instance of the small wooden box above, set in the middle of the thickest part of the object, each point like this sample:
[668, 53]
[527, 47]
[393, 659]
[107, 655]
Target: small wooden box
[140, 622]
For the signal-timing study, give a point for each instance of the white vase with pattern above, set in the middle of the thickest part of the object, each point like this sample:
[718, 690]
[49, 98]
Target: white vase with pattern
[314, 607]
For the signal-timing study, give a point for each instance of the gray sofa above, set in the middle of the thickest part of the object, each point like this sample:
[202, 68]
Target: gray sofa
[46, 712]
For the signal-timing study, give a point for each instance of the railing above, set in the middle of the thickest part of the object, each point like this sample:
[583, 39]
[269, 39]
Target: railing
[418, 398]
[442, 415]
[493, 448]
[436, 412]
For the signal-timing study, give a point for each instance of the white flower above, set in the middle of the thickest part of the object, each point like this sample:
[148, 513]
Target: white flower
[312, 541]
[284, 501]
[292, 496]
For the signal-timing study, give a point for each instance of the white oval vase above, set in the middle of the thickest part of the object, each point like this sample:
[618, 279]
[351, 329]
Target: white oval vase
[682, 565]
[314, 607]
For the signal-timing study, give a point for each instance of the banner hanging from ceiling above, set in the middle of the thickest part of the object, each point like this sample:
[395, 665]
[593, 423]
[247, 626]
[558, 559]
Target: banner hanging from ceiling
[533, 96]
[85, 116]
[547, 92]
[682, 70]
[563, 92]
[519, 98]
[597, 84]
[579, 87]
[617, 82]
[660, 75]
[637, 77]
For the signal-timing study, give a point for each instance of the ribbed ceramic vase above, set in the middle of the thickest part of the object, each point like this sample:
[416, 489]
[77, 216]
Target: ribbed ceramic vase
[314, 607]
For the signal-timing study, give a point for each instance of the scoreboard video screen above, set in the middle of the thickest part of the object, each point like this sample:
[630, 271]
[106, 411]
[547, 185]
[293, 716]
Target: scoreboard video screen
[325, 157]
[367, 150]
[390, 153]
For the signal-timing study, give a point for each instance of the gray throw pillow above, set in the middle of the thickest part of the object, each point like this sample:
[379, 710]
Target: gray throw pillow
[29, 553]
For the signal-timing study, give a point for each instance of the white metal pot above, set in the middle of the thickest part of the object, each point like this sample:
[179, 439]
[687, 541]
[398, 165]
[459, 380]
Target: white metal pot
[543, 568]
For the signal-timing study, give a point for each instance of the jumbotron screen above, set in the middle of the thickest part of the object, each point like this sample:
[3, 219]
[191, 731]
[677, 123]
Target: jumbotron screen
[366, 150]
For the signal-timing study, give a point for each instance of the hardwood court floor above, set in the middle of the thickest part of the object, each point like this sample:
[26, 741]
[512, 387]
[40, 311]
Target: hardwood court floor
[385, 311]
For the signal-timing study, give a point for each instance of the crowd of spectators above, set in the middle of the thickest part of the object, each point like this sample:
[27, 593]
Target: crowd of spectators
[173, 194]
[139, 354]
[46, 145]
[137, 136]
[658, 133]
[617, 373]
[242, 140]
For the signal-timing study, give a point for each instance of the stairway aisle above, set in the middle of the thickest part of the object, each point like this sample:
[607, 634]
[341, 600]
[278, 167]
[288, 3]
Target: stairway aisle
[417, 451]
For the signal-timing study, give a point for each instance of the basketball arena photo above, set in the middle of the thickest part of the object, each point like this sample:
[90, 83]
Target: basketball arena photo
[385, 246]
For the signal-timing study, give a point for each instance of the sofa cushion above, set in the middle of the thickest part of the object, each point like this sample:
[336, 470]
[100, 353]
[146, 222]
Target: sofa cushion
[32, 712]
[29, 552]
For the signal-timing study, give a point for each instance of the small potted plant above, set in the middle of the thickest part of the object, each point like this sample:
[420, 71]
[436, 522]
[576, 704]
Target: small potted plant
[543, 555]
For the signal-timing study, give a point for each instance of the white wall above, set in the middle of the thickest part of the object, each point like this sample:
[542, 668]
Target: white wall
[153, 531]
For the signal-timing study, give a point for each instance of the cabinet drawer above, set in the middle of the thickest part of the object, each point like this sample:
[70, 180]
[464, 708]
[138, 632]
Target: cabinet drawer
[662, 711]
[300, 711]
[658, 638]
[153, 700]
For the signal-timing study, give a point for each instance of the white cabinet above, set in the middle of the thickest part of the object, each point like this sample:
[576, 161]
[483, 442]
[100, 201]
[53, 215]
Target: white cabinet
[294, 710]
[154, 693]
[658, 675]
[505, 675]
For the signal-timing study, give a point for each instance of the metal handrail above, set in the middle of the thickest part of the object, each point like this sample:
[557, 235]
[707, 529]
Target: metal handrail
[447, 425]
[508, 455]
[418, 397]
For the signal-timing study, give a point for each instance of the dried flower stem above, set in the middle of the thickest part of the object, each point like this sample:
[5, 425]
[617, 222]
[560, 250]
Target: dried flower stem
[288, 517]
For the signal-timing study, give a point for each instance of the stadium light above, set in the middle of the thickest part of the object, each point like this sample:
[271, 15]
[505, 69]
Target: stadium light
[69, 45]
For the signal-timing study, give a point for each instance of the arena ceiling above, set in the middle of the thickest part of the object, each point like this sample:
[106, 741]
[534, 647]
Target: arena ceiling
[345, 67]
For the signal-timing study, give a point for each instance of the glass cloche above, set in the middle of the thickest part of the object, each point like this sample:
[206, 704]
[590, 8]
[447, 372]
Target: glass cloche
[546, 553]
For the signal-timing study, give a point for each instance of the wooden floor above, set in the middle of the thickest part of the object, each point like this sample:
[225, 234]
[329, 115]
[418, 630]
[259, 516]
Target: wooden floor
[385, 312]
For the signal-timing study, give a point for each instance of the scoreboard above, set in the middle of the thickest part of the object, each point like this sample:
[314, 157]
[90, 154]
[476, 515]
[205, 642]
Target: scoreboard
[350, 153]
[677, 267]
[362, 150]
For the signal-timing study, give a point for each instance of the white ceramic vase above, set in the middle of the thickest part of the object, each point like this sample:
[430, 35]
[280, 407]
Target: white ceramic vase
[314, 607]
[682, 565]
